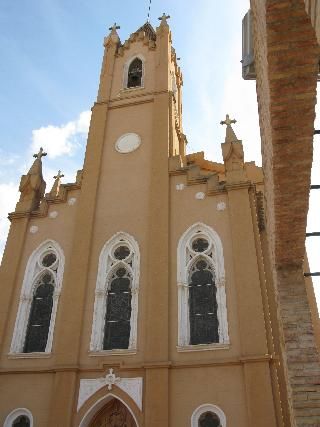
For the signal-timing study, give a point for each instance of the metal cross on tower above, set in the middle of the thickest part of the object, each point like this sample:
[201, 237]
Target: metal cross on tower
[40, 154]
[114, 27]
[164, 18]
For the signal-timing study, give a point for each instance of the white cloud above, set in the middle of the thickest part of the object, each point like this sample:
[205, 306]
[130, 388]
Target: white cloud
[8, 200]
[59, 140]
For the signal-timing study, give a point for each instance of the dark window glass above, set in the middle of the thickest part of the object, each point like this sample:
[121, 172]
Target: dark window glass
[209, 419]
[40, 316]
[200, 245]
[135, 73]
[203, 305]
[21, 421]
[121, 252]
[118, 313]
[49, 259]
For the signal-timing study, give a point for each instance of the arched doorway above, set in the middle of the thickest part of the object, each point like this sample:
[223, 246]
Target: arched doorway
[113, 414]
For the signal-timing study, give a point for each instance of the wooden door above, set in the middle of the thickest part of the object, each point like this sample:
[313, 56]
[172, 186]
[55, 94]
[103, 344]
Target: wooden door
[113, 414]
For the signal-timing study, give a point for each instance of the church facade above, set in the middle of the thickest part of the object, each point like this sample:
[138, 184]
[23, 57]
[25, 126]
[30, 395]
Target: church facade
[138, 295]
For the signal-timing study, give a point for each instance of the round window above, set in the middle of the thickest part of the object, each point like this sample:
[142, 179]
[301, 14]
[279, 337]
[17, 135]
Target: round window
[49, 259]
[200, 245]
[121, 252]
[128, 142]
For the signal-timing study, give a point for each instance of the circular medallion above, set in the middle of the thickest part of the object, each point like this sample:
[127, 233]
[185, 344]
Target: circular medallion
[128, 142]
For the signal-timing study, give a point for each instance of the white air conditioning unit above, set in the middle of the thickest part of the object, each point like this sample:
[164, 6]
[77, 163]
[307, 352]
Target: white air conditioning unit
[248, 68]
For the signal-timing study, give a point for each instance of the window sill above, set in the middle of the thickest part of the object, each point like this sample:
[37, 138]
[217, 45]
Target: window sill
[203, 347]
[125, 352]
[131, 89]
[35, 355]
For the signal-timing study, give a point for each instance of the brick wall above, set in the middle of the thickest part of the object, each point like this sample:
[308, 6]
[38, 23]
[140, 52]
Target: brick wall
[286, 58]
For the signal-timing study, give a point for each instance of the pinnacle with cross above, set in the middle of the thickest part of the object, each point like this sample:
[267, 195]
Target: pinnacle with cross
[59, 175]
[164, 18]
[114, 27]
[228, 121]
[40, 154]
[230, 135]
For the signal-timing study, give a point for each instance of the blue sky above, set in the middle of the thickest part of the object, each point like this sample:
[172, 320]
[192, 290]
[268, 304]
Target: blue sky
[51, 52]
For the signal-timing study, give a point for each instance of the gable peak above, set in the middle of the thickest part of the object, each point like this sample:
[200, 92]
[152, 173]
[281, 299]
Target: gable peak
[149, 30]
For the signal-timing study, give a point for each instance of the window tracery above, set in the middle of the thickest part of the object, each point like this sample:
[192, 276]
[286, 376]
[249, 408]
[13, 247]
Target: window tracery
[201, 289]
[116, 297]
[39, 300]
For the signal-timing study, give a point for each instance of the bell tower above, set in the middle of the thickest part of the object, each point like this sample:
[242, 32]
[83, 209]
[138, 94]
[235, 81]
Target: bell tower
[135, 126]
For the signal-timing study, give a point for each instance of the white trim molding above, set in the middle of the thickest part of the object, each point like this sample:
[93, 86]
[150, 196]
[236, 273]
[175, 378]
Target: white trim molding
[18, 413]
[34, 270]
[186, 257]
[126, 69]
[208, 407]
[131, 386]
[107, 266]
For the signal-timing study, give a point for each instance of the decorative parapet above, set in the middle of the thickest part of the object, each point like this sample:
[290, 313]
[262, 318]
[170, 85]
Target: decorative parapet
[60, 197]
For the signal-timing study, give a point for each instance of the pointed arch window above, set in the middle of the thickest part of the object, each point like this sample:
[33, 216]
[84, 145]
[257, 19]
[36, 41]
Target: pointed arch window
[133, 72]
[116, 298]
[201, 290]
[39, 298]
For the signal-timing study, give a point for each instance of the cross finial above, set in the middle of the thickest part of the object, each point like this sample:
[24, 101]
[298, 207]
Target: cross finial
[228, 121]
[40, 154]
[164, 18]
[114, 27]
[59, 175]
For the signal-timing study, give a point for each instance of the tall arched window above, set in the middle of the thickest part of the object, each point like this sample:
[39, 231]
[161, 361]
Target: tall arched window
[133, 72]
[39, 300]
[208, 416]
[116, 297]
[201, 289]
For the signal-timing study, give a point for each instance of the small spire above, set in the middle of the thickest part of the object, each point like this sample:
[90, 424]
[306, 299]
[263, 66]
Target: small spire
[56, 185]
[230, 135]
[113, 37]
[40, 154]
[32, 186]
[163, 19]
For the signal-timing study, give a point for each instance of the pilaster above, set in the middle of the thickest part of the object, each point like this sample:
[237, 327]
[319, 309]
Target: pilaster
[157, 397]
[9, 269]
[75, 280]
